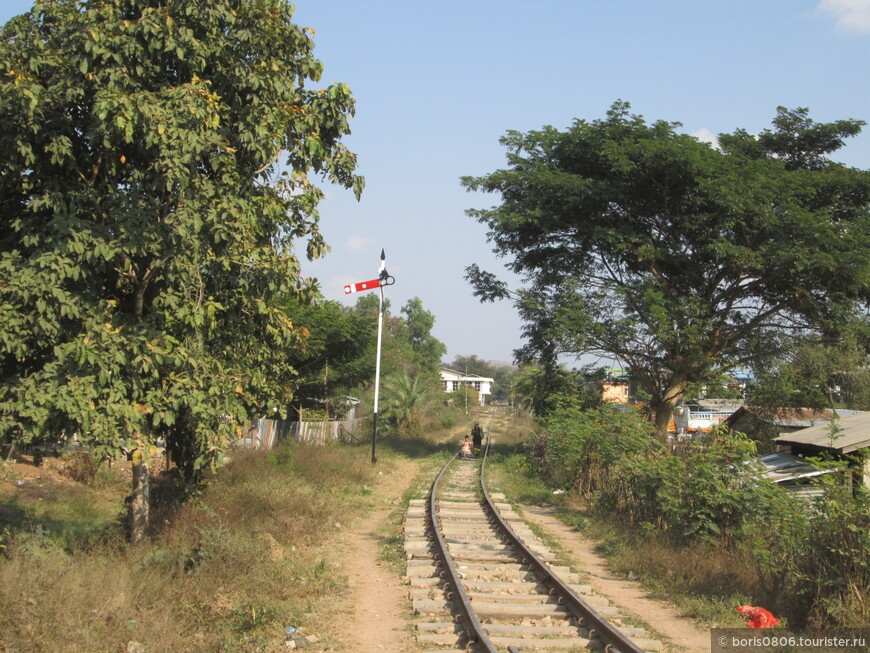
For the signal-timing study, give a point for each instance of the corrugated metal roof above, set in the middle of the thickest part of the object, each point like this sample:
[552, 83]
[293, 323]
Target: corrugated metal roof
[854, 434]
[791, 417]
[787, 468]
[715, 405]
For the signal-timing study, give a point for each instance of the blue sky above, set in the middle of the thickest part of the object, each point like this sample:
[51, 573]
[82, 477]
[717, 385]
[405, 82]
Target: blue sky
[437, 84]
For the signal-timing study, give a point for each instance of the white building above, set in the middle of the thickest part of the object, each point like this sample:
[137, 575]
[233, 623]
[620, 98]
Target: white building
[453, 380]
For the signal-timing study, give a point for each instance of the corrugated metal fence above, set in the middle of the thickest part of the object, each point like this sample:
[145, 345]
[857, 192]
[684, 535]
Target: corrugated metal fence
[268, 433]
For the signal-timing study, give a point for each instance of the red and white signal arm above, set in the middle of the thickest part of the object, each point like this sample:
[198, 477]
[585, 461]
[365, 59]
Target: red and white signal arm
[362, 285]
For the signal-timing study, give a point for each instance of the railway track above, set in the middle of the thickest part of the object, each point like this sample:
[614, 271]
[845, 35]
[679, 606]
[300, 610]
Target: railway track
[482, 581]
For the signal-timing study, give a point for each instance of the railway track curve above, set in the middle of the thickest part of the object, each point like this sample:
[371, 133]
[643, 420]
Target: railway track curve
[480, 580]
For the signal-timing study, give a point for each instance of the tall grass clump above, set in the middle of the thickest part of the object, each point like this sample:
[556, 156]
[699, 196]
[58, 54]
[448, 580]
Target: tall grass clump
[228, 571]
[709, 523]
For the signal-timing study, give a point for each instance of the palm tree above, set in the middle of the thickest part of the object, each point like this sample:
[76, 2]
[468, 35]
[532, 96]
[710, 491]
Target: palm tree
[405, 398]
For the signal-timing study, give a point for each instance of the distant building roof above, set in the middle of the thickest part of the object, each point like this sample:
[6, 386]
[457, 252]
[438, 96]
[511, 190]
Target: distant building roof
[446, 371]
[714, 405]
[793, 473]
[854, 434]
[615, 373]
[792, 418]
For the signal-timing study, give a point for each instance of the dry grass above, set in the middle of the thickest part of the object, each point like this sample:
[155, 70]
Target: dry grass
[228, 571]
[706, 581]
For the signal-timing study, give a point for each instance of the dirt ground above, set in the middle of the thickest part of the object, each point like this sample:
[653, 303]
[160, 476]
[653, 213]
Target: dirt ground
[679, 633]
[375, 614]
[31, 481]
[380, 617]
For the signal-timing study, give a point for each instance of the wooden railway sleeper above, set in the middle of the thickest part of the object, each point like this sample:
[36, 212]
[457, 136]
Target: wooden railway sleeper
[471, 624]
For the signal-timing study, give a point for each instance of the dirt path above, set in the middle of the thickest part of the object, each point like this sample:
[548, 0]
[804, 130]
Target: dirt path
[683, 634]
[375, 615]
[380, 613]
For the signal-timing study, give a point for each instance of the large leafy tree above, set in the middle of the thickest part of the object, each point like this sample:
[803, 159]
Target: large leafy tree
[676, 257]
[544, 390]
[335, 360]
[818, 373]
[408, 345]
[501, 373]
[427, 349]
[146, 235]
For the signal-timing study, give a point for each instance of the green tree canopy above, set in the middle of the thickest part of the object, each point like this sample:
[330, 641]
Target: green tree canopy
[647, 245]
[818, 372]
[502, 374]
[427, 349]
[146, 248]
[335, 360]
[408, 345]
[544, 389]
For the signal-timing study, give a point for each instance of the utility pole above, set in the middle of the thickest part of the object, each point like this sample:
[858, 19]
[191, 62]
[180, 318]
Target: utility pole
[465, 388]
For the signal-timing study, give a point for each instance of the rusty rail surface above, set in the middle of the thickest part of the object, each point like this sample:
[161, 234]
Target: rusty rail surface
[599, 627]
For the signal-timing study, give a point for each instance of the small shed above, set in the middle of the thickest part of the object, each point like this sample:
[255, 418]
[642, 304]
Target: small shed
[842, 438]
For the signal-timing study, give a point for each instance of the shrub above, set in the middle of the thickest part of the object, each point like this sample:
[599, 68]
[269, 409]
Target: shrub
[707, 495]
[580, 448]
[810, 562]
[833, 565]
[79, 466]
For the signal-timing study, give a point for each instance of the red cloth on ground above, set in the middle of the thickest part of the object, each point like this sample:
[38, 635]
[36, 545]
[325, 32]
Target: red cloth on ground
[757, 617]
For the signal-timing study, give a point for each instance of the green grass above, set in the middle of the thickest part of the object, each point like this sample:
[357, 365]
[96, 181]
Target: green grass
[512, 474]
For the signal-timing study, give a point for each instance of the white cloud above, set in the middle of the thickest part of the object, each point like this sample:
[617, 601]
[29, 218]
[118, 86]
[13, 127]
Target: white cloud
[360, 243]
[851, 15]
[707, 136]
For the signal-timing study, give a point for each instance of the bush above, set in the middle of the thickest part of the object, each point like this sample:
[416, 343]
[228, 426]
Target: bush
[228, 570]
[809, 562]
[79, 466]
[580, 448]
[813, 558]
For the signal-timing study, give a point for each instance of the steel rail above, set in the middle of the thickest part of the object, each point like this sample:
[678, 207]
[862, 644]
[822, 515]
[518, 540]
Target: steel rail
[470, 623]
[614, 640]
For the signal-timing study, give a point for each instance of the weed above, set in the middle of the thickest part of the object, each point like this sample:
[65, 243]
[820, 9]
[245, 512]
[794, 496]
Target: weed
[250, 617]
[6, 473]
[703, 526]
[515, 476]
[226, 569]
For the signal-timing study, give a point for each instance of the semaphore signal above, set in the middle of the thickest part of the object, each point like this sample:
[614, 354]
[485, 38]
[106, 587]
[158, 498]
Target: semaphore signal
[384, 279]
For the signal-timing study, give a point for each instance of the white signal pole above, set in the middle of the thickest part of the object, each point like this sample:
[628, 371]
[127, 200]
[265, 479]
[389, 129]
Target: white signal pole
[384, 279]
[382, 275]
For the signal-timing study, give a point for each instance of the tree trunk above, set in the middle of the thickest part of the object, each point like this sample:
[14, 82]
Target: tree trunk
[663, 407]
[140, 499]
[662, 419]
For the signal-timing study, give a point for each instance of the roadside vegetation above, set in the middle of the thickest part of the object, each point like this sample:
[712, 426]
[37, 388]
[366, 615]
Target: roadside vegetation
[703, 529]
[227, 569]
[153, 299]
